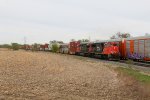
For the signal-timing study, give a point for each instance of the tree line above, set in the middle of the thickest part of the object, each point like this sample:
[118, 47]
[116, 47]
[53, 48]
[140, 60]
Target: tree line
[14, 46]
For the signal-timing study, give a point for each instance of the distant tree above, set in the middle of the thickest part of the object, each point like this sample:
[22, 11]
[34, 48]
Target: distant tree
[54, 41]
[120, 35]
[5, 46]
[15, 46]
[21, 46]
[84, 40]
[55, 48]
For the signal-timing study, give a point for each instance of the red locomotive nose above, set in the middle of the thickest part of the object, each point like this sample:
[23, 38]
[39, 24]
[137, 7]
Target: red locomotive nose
[111, 48]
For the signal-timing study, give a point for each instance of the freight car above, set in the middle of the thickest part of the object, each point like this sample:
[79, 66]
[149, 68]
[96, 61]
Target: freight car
[42, 47]
[74, 47]
[64, 48]
[28, 47]
[46, 47]
[138, 48]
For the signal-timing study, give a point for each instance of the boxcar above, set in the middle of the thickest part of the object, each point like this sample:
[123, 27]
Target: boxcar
[74, 47]
[138, 48]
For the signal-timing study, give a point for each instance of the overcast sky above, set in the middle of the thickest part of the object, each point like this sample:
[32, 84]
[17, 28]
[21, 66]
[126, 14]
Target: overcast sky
[44, 20]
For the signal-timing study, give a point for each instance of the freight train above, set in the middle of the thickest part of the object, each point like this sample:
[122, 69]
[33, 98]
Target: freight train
[135, 48]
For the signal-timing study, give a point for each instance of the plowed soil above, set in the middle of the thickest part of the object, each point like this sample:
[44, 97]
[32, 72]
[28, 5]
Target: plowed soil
[48, 76]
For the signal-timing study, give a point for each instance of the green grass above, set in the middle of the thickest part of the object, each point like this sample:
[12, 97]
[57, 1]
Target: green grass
[135, 74]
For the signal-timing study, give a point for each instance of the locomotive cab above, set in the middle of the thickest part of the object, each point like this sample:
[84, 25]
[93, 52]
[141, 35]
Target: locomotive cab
[111, 51]
[96, 49]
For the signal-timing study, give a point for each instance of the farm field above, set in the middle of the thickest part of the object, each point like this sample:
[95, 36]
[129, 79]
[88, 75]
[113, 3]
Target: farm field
[42, 76]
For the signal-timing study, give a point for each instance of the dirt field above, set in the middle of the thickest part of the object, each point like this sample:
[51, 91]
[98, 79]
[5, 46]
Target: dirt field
[42, 76]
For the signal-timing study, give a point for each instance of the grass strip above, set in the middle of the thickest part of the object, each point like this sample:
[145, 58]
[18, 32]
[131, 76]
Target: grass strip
[135, 74]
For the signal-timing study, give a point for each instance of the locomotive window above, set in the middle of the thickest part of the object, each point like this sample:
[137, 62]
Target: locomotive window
[99, 47]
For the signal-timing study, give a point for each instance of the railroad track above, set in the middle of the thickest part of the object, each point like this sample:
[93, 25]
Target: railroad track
[129, 62]
[144, 64]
